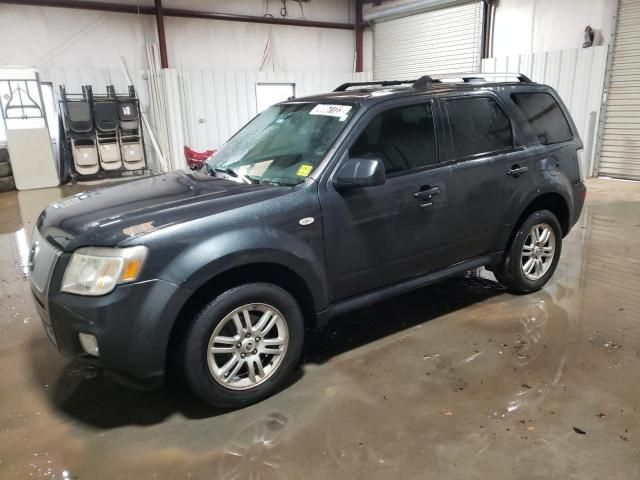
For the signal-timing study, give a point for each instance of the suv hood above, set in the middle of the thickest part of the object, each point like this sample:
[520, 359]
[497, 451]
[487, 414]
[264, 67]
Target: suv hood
[107, 216]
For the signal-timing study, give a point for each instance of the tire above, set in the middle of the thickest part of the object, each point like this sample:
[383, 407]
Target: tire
[7, 184]
[511, 272]
[204, 372]
[5, 169]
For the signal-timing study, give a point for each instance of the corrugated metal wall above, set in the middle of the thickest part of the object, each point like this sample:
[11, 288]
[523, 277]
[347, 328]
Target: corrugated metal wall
[438, 41]
[204, 107]
[216, 104]
[577, 75]
[620, 133]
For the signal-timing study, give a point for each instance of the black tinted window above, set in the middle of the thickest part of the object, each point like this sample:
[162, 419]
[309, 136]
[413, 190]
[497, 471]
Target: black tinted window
[478, 125]
[545, 116]
[403, 138]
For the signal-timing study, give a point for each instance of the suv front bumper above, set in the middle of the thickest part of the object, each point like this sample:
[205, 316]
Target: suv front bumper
[132, 326]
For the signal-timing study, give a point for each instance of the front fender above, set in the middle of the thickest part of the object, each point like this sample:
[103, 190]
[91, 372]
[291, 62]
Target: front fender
[205, 260]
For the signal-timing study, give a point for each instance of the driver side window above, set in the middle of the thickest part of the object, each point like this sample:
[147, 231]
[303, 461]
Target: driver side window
[402, 137]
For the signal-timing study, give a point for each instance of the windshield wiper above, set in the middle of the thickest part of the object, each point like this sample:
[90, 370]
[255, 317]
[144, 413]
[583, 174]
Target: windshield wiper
[233, 173]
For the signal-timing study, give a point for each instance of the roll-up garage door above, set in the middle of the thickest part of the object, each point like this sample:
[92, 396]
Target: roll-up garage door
[438, 41]
[620, 142]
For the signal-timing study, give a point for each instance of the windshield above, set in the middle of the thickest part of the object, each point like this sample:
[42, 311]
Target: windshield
[283, 144]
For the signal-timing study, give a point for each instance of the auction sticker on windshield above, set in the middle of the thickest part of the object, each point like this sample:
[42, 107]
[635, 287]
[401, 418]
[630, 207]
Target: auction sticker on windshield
[304, 170]
[339, 111]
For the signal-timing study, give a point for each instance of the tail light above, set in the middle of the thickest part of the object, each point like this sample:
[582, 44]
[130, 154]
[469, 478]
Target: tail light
[581, 169]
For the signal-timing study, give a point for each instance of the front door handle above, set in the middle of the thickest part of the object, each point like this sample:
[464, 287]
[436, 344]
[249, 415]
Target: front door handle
[516, 170]
[426, 193]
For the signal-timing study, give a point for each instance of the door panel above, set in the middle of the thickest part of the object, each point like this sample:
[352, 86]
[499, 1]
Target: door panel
[480, 133]
[381, 235]
[517, 187]
[476, 208]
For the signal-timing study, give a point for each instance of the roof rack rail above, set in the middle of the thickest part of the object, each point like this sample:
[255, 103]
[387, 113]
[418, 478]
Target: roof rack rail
[481, 76]
[382, 83]
[426, 80]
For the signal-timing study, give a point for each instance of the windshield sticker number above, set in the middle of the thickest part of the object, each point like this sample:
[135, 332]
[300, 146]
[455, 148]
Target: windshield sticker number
[304, 170]
[339, 111]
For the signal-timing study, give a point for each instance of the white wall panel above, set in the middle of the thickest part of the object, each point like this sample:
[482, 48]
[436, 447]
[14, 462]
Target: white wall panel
[58, 37]
[219, 45]
[577, 75]
[545, 25]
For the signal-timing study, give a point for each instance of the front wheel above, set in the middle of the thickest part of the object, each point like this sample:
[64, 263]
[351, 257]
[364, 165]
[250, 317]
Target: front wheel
[242, 347]
[533, 254]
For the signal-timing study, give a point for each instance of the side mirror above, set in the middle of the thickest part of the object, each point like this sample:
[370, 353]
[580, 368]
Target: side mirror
[360, 172]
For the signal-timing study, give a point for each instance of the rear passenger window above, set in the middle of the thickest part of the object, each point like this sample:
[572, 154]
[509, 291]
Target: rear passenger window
[478, 125]
[403, 138]
[545, 116]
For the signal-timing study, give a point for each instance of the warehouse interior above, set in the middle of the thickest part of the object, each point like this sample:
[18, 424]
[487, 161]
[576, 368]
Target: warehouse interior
[459, 379]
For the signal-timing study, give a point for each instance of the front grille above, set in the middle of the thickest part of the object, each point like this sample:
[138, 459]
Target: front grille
[42, 258]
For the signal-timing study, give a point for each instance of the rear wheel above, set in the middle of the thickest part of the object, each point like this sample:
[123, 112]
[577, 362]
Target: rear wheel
[242, 347]
[533, 254]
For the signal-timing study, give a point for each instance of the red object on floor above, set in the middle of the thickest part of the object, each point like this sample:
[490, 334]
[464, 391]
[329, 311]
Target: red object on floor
[195, 159]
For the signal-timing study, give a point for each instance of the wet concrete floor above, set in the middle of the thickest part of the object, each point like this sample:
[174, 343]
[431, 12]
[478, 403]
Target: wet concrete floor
[459, 380]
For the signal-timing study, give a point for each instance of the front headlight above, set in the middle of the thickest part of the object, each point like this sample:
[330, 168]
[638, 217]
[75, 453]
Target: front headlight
[97, 270]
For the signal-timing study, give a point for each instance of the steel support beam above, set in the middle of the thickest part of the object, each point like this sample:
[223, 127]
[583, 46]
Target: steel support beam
[81, 5]
[162, 41]
[176, 12]
[232, 17]
[359, 29]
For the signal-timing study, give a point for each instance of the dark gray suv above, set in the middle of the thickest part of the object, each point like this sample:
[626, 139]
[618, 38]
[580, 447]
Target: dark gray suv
[318, 206]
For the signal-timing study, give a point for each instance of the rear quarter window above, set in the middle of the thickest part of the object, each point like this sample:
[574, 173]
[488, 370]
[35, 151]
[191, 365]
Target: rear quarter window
[478, 126]
[545, 116]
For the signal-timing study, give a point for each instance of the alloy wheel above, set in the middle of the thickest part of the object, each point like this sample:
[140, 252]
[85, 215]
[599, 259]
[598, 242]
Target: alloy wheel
[538, 251]
[247, 346]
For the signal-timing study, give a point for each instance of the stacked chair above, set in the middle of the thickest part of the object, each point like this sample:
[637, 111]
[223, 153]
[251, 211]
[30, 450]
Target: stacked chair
[131, 141]
[103, 135]
[80, 132]
[105, 111]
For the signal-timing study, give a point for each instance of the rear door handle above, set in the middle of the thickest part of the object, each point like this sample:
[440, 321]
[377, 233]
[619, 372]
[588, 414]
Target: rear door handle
[426, 193]
[517, 170]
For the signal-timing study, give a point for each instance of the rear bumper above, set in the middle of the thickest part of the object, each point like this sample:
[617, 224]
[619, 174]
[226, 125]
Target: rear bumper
[579, 195]
[132, 325]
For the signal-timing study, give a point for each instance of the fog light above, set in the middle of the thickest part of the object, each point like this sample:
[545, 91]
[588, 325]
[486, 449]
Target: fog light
[89, 343]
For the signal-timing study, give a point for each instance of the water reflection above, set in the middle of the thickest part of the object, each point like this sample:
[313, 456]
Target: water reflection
[22, 251]
[538, 352]
[253, 453]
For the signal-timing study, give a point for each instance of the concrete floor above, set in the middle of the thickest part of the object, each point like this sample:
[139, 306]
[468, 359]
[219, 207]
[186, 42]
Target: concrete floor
[460, 380]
